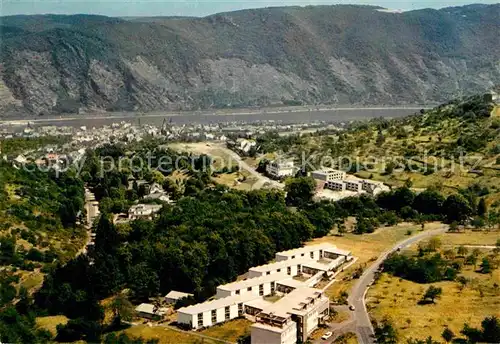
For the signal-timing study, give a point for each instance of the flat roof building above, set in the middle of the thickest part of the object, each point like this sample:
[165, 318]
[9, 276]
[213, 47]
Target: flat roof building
[174, 296]
[209, 313]
[277, 169]
[259, 286]
[310, 252]
[353, 185]
[289, 267]
[148, 311]
[305, 307]
[328, 174]
[335, 185]
[146, 211]
[288, 320]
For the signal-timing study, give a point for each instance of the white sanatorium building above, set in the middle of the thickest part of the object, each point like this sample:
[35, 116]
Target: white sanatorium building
[300, 309]
[280, 169]
[336, 180]
[292, 318]
[328, 174]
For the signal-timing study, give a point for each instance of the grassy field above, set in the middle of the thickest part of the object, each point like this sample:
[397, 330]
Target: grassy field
[31, 280]
[50, 323]
[229, 331]
[397, 299]
[487, 238]
[367, 247]
[241, 180]
[235, 180]
[348, 338]
[166, 335]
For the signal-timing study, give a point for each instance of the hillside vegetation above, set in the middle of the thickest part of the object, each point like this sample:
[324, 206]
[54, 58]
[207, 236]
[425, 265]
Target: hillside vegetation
[451, 147]
[280, 55]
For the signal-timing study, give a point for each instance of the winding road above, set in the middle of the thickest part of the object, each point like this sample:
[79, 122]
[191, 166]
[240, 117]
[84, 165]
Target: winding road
[261, 179]
[364, 328]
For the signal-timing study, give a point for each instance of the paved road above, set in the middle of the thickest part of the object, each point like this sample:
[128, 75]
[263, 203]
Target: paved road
[261, 180]
[339, 329]
[364, 328]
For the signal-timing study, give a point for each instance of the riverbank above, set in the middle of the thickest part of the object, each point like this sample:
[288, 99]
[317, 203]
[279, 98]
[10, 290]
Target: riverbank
[220, 112]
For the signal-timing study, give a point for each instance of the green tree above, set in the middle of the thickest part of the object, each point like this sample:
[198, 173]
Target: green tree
[454, 227]
[432, 293]
[471, 260]
[490, 330]
[481, 207]
[385, 333]
[447, 335]
[122, 308]
[462, 251]
[434, 244]
[473, 335]
[107, 237]
[485, 266]
[143, 281]
[389, 167]
[300, 191]
[456, 208]
[429, 202]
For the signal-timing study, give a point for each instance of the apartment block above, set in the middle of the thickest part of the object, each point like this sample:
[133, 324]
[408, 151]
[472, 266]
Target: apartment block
[308, 252]
[291, 319]
[328, 174]
[258, 286]
[315, 252]
[353, 185]
[290, 267]
[278, 169]
[335, 185]
[213, 312]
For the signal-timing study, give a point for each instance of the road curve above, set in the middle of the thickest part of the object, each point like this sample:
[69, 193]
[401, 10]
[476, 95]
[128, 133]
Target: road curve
[364, 328]
[261, 179]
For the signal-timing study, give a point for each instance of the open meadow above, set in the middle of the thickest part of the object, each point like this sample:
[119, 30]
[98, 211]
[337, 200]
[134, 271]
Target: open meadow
[469, 298]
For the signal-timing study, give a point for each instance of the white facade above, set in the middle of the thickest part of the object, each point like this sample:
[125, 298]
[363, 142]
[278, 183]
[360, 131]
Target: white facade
[328, 174]
[213, 312]
[306, 306]
[274, 320]
[371, 186]
[267, 334]
[258, 286]
[143, 211]
[335, 185]
[353, 185]
[174, 296]
[280, 169]
[289, 267]
[309, 252]
[246, 145]
[147, 310]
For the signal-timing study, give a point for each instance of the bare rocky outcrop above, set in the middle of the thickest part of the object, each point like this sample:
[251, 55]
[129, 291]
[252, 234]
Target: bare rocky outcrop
[289, 55]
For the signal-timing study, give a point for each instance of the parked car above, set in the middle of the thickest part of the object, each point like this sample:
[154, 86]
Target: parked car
[352, 308]
[327, 335]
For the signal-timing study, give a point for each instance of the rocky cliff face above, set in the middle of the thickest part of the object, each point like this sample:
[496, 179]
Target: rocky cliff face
[324, 54]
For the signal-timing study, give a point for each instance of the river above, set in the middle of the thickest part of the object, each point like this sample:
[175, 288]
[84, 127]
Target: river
[336, 115]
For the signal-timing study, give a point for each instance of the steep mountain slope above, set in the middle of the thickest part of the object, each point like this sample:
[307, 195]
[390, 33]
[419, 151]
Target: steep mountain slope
[320, 54]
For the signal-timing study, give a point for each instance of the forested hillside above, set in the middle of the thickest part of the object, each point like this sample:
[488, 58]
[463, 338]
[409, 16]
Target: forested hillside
[284, 55]
[453, 146]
